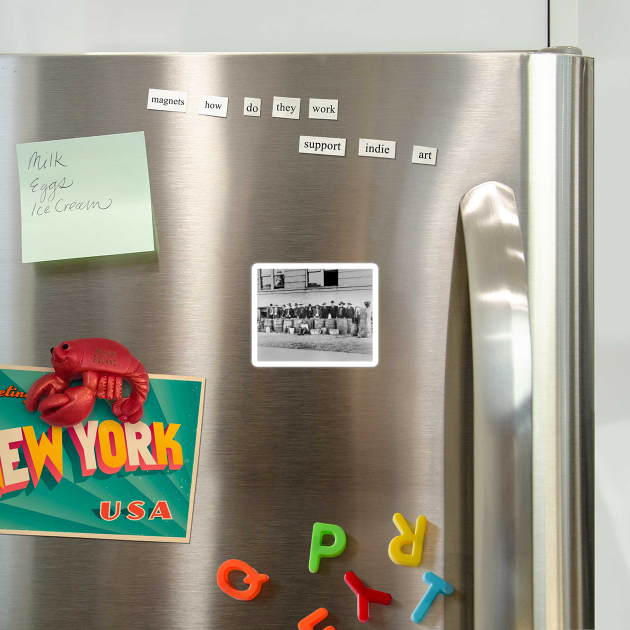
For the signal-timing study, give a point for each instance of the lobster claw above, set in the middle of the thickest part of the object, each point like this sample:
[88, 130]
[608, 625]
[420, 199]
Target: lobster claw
[43, 386]
[128, 410]
[68, 408]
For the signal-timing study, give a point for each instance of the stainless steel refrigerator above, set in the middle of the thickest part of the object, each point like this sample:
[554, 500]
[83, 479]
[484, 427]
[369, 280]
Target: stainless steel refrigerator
[479, 413]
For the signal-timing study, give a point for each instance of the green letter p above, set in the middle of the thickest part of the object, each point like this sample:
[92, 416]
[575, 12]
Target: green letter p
[319, 551]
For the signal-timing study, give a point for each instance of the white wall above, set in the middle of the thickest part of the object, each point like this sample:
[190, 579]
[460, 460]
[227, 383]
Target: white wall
[604, 29]
[270, 25]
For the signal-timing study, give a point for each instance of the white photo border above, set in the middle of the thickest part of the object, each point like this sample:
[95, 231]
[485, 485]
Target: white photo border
[315, 364]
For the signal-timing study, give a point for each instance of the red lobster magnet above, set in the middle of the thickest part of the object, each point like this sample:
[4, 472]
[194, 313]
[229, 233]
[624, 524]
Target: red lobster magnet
[102, 364]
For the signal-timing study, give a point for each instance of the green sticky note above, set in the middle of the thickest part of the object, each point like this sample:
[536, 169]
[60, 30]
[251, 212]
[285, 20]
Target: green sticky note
[85, 197]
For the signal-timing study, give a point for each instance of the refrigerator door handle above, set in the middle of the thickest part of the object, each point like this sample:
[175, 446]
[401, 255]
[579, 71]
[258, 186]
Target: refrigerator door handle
[502, 374]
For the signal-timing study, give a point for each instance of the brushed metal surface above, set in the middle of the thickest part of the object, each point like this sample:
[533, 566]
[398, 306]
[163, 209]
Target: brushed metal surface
[560, 276]
[502, 368]
[280, 448]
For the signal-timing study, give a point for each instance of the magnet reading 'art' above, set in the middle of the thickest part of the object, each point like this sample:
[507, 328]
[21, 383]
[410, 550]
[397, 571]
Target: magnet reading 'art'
[319, 551]
[252, 577]
[407, 537]
[102, 364]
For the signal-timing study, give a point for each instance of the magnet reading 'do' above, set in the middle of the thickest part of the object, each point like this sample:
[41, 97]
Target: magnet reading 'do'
[102, 364]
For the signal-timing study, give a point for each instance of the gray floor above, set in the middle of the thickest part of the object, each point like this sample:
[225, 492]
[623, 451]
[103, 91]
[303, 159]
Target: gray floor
[291, 354]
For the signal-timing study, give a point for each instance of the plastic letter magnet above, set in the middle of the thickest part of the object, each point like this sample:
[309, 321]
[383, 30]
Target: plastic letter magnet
[407, 537]
[365, 596]
[252, 577]
[319, 551]
[308, 623]
[436, 586]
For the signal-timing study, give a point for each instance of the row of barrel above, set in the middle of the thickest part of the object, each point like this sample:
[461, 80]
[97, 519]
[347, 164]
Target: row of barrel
[343, 325]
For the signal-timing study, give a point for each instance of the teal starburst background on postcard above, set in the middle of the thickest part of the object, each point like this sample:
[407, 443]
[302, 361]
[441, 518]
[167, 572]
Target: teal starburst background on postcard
[72, 505]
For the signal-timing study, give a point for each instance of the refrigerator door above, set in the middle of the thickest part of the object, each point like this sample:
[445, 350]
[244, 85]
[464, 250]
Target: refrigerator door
[284, 448]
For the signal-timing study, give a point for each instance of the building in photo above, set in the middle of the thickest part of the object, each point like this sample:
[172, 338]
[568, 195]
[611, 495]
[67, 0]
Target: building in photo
[312, 286]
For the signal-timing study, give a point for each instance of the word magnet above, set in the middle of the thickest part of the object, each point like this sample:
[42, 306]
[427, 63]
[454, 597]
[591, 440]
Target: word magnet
[251, 106]
[322, 146]
[252, 577]
[377, 148]
[285, 107]
[213, 105]
[424, 155]
[436, 586]
[323, 108]
[365, 595]
[319, 550]
[309, 623]
[407, 537]
[167, 100]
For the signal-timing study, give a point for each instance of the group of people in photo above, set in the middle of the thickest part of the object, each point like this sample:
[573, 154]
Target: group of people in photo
[304, 318]
[310, 311]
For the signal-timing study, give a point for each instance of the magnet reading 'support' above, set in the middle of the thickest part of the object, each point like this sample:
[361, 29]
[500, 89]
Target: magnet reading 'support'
[252, 577]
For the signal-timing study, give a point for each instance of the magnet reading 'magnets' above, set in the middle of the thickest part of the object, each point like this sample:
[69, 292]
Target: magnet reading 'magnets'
[103, 364]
